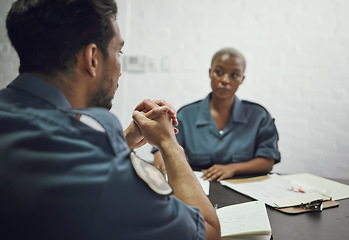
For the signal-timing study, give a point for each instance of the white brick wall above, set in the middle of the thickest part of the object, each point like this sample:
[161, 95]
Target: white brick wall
[297, 66]
[8, 58]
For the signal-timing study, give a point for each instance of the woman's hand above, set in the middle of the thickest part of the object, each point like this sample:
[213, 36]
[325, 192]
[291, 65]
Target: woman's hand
[219, 172]
[255, 165]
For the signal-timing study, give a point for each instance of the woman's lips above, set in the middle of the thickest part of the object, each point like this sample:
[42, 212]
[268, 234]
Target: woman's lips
[223, 90]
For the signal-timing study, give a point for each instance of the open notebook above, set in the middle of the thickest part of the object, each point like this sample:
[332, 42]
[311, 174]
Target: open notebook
[245, 221]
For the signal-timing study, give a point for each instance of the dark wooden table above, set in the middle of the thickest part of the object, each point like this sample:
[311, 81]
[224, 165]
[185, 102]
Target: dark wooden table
[330, 224]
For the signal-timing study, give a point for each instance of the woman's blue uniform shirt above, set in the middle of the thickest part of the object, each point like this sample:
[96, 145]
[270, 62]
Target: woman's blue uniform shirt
[60, 179]
[249, 133]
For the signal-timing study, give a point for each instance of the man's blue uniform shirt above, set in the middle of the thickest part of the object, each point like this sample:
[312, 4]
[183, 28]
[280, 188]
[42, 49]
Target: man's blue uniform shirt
[61, 179]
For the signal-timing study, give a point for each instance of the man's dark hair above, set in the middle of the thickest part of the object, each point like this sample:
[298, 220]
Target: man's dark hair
[48, 34]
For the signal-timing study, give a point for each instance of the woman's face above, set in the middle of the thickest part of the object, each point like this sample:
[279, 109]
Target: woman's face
[226, 73]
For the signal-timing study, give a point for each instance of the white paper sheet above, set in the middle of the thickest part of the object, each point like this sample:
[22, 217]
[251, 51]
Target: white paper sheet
[205, 184]
[273, 189]
[265, 189]
[249, 218]
[332, 188]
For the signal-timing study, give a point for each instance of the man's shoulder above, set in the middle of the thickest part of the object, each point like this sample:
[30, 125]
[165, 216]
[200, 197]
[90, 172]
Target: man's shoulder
[31, 124]
[50, 129]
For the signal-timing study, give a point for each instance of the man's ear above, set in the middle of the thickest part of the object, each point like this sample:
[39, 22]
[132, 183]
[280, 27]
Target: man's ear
[90, 59]
[209, 72]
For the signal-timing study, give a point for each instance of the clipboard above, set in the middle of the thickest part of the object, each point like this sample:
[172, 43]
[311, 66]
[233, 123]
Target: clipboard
[299, 209]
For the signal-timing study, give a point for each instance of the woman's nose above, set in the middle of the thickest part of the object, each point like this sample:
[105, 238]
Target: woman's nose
[225, 79]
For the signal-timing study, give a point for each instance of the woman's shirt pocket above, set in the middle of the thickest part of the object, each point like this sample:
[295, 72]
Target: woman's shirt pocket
[198, 160]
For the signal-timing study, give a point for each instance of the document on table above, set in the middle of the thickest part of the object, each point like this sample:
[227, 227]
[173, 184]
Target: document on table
[263, 188]
[332, 188]
[205, 184]
[274, 189]
[244, 221]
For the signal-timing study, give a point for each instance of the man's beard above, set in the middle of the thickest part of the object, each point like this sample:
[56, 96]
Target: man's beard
[102, 98]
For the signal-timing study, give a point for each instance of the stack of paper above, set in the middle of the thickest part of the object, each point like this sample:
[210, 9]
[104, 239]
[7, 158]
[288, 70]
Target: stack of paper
[245, 221]
[274, 190]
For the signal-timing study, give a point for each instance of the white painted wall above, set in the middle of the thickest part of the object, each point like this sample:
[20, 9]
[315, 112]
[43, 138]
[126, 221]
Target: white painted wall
[297, 66]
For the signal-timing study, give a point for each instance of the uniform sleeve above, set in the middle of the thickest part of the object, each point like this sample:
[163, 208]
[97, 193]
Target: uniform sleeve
[267, 139]
[154, 150]
[134, 211]
[49, 168]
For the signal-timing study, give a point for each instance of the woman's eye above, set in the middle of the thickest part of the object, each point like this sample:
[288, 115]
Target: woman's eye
[234, 75]
[219, 73]
[120, 53]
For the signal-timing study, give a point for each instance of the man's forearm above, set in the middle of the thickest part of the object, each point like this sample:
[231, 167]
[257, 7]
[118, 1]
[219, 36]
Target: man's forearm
[187, 188]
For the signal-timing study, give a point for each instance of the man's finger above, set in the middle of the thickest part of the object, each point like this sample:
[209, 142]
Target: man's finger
[172, 111]
[146, 105]
[139, 118]
[164, 103]
[156, 112]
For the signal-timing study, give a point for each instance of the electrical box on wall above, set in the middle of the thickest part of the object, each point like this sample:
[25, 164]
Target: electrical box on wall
[134, 64]
[142, 64]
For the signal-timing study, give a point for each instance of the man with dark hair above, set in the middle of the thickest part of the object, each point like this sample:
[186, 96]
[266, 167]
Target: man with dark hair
[61, 179]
